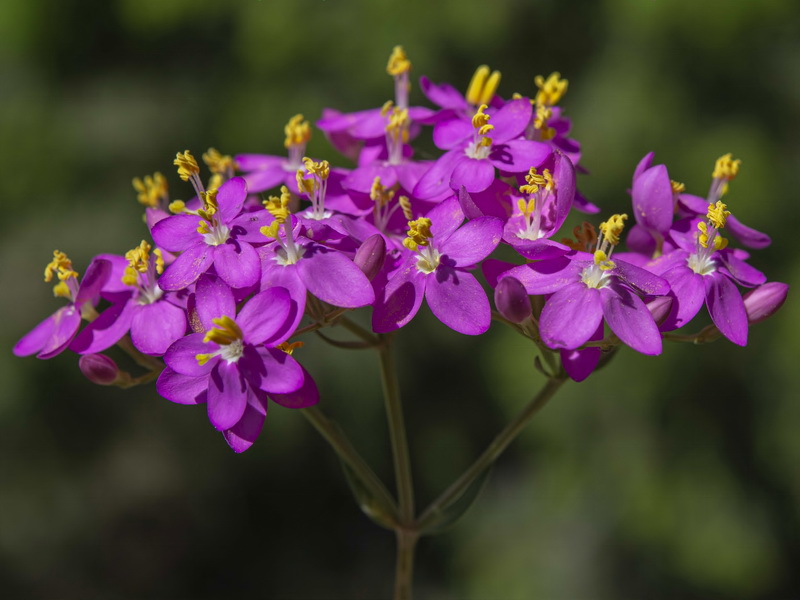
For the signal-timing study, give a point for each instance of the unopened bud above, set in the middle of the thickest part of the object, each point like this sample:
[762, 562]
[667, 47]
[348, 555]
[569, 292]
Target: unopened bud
[763, 301]
[99, 369]
[370, 255]
[660, 307]
[512, 300]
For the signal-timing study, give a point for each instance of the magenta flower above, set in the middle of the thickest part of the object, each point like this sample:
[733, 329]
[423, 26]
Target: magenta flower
[586, 289]
[219, 235]
[54, 334]
[434, 266]
[234, 365]
[475, 149]
[154, 318]
[703, 269]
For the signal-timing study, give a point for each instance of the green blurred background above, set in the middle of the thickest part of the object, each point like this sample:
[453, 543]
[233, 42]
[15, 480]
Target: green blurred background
[668, 477]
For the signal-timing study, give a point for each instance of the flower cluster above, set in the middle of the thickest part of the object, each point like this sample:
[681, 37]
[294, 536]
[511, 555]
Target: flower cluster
[266, 243]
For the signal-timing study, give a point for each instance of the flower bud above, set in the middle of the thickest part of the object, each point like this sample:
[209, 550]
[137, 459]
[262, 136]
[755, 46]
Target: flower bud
[99, 369]
[512, 300]
[765, 300]
[370, 255]
[660, 307]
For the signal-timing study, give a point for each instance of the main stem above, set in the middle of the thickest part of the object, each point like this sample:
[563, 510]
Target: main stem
[493, 451]
[406, 533]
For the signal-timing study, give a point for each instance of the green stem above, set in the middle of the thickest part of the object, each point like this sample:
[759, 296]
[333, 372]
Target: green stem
[350, 456]
[404, 569]
[493, 451]
[151, 363]
[397, 432]
[355, 328]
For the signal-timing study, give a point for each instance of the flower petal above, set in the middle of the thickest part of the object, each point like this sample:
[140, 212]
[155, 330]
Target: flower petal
[237, 263]
[66, 321]
[213, 299]
[579, 364]
[653, 203]
[452, 133]
[181, 356]
[442, 94]
[182, 389]
[688, 291]
[176, 233]
[474, 174]
[265, 315]
[571, 316]
[192, 263]
[306, 395]
[435, 183]
[106, 330]
[93, 280]
[243, 435]
[227, 395]
[548, 276]
[630, 320]
[230, 198]
[458, 300]
[400, 300]
[641, 279]
[473, 242]
[334, 278]
[36, 338]
[511, 121]
[726, 307]
[518, 156]
[281, 373]
[156, 326]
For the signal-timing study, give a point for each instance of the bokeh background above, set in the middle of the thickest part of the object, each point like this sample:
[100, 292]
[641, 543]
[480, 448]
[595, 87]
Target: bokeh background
[668, 477]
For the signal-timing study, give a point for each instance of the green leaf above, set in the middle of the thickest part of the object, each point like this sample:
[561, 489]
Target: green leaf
[377, 509]
[455, 509]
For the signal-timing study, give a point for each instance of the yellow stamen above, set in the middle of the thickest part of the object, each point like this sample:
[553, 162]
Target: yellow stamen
[289, 348]
[220, 164]
[602, 261]
[138, 262]
[203, 358]
[319, 169]
[60, 266]
[551, 90]
[278, 207]
[526, 208]
[536, 180]
[482, 86]
[480, 119]
[726, 167]
[150, 190]
[405, 206]
[210, 205]
[159, 261]
[543, 115]
[216, 181]
[176, 207]
[612, 228]
[717, 214]
[397, 127]
[297, 131]
[380, 194]
[419, 232]
[187, 165]
[226, 332]
[306, 185]
[677, 187]
[61, 290]
[585, 235]
[398, 62]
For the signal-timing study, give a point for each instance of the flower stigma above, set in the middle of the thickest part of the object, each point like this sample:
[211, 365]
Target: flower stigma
[538, 189]
[141, 272]
[482, 86]
[709, 240]
[481, 144]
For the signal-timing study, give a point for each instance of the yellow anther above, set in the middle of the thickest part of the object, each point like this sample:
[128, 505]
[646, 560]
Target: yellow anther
[720, 243]
[419, 232]
[307, 185]
[482, 86]
[475, 89]
[543, 115]
[210, 205]
[551, 90]
[602, 261]
[677, 186]
[187, 165]
[61, 290]
[278, 207]
[297, 131]
[220, 164]
[319, 169]
[397, 127]
[203, 358]
[480, 118]
[226, 332]
[490, 88]
[380, 194]
[398, 62]
[537, 180]
[289, 348]
[271, 231]
[387, 107]
[151, 189]
[726, 167]
[405, 206]
[585, 234]
[176, 207]
[159, 261]
[60, 266]
[717, 214]
[202, 227]
[526, 208]
[215, 181]
[612, 228]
